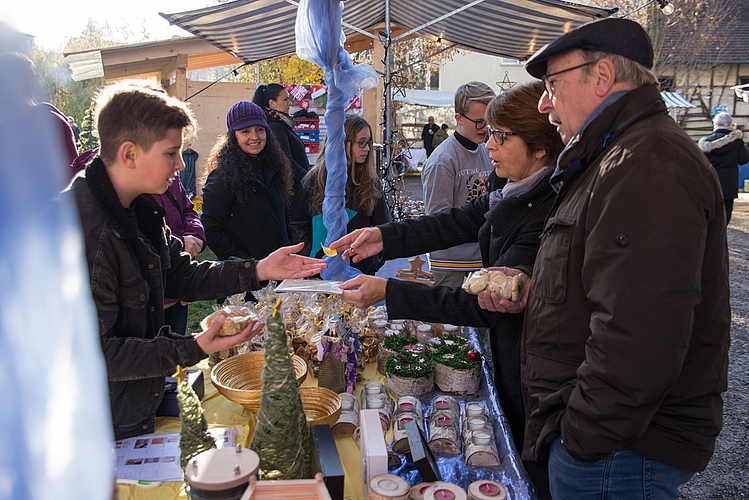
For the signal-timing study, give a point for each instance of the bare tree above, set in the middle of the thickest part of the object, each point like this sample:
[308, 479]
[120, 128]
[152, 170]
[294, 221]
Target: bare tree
[689, 43]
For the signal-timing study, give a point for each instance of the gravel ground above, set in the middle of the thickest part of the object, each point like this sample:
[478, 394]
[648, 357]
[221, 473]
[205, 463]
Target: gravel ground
[727, 474]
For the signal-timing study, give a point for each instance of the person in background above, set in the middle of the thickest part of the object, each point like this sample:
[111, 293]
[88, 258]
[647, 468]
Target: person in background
[440, 136]
[457, 173]
[65, 134]
[365, 202]
[74, 127]
[246, 193]
[184, 223]
[725, 149]
[133, 261]
[427, 135]
[627, 324]
[274, 100]
[507, 226]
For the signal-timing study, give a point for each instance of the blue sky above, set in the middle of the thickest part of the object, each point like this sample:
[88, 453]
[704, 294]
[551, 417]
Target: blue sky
[53, 22]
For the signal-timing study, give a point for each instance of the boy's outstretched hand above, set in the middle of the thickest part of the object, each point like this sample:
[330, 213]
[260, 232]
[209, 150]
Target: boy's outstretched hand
[360, 244]
[371, 290]
[211, 342]
[284, 264]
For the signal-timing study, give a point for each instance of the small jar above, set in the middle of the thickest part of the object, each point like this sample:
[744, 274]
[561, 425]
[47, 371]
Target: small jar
[446, 328]
[476, 423]
[373, 388]
[474, 410]
[375, 402]
[381, 326]
[482, 438]
[424, 333]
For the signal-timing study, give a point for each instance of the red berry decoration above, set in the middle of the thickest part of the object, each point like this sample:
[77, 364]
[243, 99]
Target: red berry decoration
[473, 355]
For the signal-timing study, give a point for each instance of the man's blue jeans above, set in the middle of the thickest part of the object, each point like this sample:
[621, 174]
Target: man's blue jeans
[623, 475]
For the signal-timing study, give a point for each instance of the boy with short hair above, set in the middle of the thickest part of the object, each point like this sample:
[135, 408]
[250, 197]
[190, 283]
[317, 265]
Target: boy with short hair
[134, 261]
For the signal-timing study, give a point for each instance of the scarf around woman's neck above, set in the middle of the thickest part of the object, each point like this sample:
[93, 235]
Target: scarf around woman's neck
[280, 115]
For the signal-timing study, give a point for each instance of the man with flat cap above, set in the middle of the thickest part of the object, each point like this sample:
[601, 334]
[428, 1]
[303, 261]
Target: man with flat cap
[625, 348]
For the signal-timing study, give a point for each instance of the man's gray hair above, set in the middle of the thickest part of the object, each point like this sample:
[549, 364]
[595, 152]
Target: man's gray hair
[722, 120]
[626, 69]
[472, 92]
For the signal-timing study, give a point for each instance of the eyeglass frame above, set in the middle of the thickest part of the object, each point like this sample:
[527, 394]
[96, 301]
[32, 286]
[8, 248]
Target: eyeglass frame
[368, 142]
[475, 123]
[502, 135]
[545, 78]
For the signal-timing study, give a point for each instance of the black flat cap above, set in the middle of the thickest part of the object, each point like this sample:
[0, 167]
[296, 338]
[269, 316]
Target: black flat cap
[615, 36]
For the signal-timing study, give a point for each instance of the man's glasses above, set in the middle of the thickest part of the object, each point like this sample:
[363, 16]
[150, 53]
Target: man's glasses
[479, 124]
[549, 86]
[365, 143]
[499, 136]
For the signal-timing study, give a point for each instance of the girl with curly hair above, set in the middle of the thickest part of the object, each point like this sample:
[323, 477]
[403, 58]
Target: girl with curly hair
[246, 193]
[275, 101]
[365, 203]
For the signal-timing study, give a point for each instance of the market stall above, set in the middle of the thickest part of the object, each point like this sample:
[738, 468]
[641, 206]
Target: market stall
[222, 413]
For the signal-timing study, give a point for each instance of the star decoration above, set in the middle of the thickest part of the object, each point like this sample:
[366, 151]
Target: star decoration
[180, 374]
[401, 146]
[398, 82]
[415, 263]
[506, 84]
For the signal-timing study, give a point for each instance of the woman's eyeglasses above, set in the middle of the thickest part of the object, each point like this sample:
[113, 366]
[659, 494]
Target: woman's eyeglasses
[365, 143]
[499, 135]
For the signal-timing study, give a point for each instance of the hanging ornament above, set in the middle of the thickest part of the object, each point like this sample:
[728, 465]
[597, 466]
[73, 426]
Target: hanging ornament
[398, 84]
[506, 84]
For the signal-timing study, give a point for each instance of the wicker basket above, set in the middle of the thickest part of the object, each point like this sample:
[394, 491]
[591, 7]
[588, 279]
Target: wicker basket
[321, 405]
[238, 377]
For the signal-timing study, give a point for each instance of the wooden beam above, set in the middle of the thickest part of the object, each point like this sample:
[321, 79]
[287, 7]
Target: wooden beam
[155, 50]
[211, 60]
[373, 98]
[175, 63]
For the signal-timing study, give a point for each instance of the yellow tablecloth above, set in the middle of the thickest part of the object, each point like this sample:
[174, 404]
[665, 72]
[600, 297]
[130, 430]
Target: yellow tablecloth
[220, 412]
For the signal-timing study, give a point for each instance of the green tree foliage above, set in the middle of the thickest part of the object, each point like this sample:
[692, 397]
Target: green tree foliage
[88, 139]
[291, 70]
[54, 82]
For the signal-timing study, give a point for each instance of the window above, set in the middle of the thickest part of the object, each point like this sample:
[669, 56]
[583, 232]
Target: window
[507, 61]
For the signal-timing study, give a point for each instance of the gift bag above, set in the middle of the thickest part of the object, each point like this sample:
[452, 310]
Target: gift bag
[332, 373]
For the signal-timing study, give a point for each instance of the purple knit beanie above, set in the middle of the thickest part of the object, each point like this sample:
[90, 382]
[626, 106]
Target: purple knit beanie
[245, 114]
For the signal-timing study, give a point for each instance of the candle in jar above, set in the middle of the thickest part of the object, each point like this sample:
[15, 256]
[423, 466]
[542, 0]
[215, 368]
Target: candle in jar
[444, 421]
[443, 494]
[476, 423]
[474, 409]
[489, 489]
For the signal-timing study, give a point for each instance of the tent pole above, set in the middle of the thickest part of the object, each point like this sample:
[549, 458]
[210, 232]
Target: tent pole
[388, 142]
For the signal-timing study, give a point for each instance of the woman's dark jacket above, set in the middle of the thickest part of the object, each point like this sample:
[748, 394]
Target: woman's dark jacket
[508, 235]
[301, 224]
[725, 149]
[131, 269]
[293, 146]
[252, 228]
